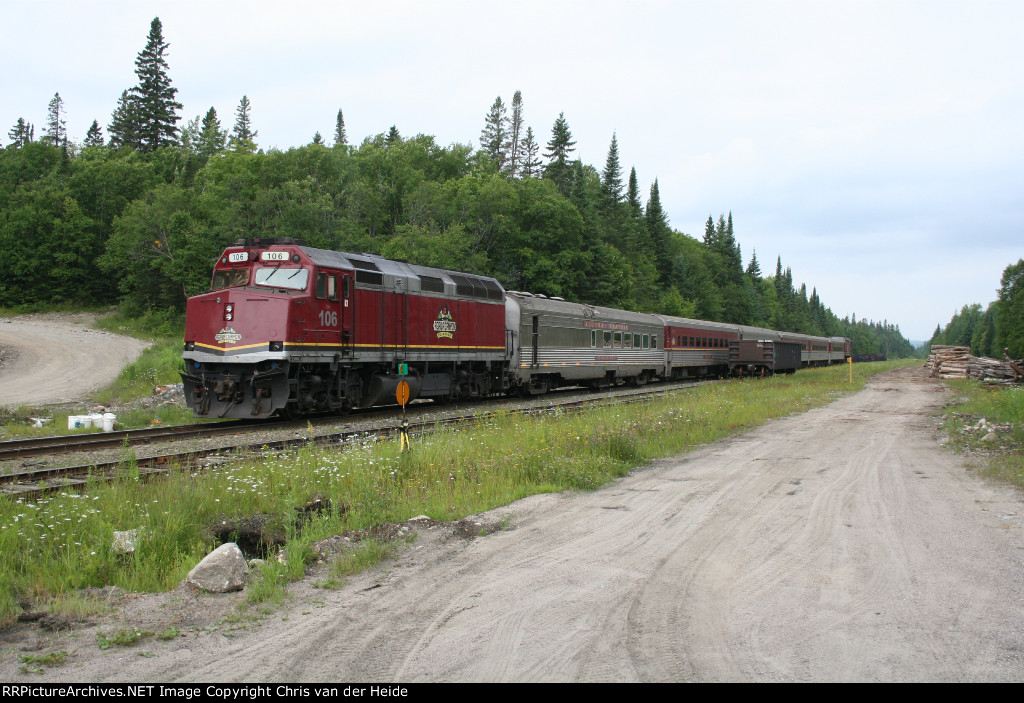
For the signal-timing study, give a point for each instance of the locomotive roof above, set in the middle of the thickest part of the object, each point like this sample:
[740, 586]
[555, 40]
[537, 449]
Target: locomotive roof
[376, 270]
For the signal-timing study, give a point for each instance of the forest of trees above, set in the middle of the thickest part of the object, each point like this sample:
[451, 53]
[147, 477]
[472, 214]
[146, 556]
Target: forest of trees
[138, 217]
[998, 327]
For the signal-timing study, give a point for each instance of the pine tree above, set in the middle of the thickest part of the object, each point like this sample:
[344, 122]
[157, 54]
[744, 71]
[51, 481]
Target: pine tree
[317, 139]
[659, 232]
[611, 177]
[56, 132]
[559, 169]
[21, 133]
[212, 139]
[754, 268]
[157, 110]
[393, 136]
[633, 196]
[243, 138]
[340, 137]
[494, 135]
[124, 123]
[513, 146]
[530, 166]
[709, 232]
[94, 137]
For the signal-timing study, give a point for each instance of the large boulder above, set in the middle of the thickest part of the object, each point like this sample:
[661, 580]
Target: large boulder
[224, 569]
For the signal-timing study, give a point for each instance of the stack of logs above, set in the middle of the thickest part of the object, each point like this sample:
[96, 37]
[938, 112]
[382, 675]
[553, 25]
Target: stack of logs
[957, 362]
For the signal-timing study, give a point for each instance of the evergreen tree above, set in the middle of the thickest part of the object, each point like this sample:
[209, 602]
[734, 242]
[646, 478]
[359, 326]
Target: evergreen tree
[317, 139]
[513, 146]
[633, 196]
[94, 137]
[494, 135]
[56, 132]
[1010, 311]
[530, 166]
[124, 127]
[559, 168]
[659, 232]
[754, 268]
[393, 137]
[243, 138]
[21, 133]
[611, 177]
[211, 139]
[157, 110]
[340, 138]
[709, 232]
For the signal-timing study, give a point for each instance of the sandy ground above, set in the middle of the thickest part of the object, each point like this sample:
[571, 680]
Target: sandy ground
[57, 358]
[843, 544]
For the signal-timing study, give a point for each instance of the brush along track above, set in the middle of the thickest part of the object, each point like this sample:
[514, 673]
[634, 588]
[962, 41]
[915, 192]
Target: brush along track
[29, 481]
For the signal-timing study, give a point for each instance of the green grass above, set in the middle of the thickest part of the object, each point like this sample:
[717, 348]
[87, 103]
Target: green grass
[52, 545]
[1003, 458]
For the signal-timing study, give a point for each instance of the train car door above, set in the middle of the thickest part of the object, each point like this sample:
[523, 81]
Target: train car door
[329, 315]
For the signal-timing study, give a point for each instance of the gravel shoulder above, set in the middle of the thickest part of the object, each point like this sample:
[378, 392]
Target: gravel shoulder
[57, 358]
[843, 544]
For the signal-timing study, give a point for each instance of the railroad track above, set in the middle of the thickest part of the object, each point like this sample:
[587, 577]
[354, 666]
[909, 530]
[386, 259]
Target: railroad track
[31, 481]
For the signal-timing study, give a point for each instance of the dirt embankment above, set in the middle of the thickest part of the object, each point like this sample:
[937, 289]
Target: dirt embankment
[56, 358]
[843, 544]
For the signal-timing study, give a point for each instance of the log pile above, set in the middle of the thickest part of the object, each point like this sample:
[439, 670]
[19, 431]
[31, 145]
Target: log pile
[957, 362]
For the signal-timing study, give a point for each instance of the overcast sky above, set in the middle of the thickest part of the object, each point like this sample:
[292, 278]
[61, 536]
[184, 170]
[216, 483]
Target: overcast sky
[877, 147]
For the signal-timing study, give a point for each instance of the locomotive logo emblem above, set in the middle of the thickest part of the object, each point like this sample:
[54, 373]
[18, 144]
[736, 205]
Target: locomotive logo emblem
[444, 325]
[228, 336]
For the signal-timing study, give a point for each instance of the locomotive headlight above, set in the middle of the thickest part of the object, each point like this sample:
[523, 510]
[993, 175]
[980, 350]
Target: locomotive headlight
[228, 316]
[229, 308]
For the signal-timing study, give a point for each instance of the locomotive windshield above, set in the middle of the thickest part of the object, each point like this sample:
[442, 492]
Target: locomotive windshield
[229, 278]
[294, 278]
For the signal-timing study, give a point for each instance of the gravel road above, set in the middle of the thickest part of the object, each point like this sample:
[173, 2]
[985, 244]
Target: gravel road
[57, 358]
[843, 544]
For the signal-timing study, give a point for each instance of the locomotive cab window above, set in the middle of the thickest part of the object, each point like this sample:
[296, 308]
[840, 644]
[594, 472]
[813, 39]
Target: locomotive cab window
[326, 286]
[229, 278]
[289, 278]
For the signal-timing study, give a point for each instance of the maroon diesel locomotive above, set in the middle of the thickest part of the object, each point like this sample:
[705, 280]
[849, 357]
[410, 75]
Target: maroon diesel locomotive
[288, 328]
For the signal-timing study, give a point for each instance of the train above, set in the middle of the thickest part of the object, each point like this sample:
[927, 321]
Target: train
[287, 329]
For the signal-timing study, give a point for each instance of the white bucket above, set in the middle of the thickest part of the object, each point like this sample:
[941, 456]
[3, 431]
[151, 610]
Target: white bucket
[108, 422]
[95, 420]
[74, 421]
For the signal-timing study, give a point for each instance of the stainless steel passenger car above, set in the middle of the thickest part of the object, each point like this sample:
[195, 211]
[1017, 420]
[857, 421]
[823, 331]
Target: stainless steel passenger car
[556, 343]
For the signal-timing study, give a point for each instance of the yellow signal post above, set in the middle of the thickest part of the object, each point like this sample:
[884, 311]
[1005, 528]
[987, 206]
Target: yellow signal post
[849, 360]
[402, 396]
